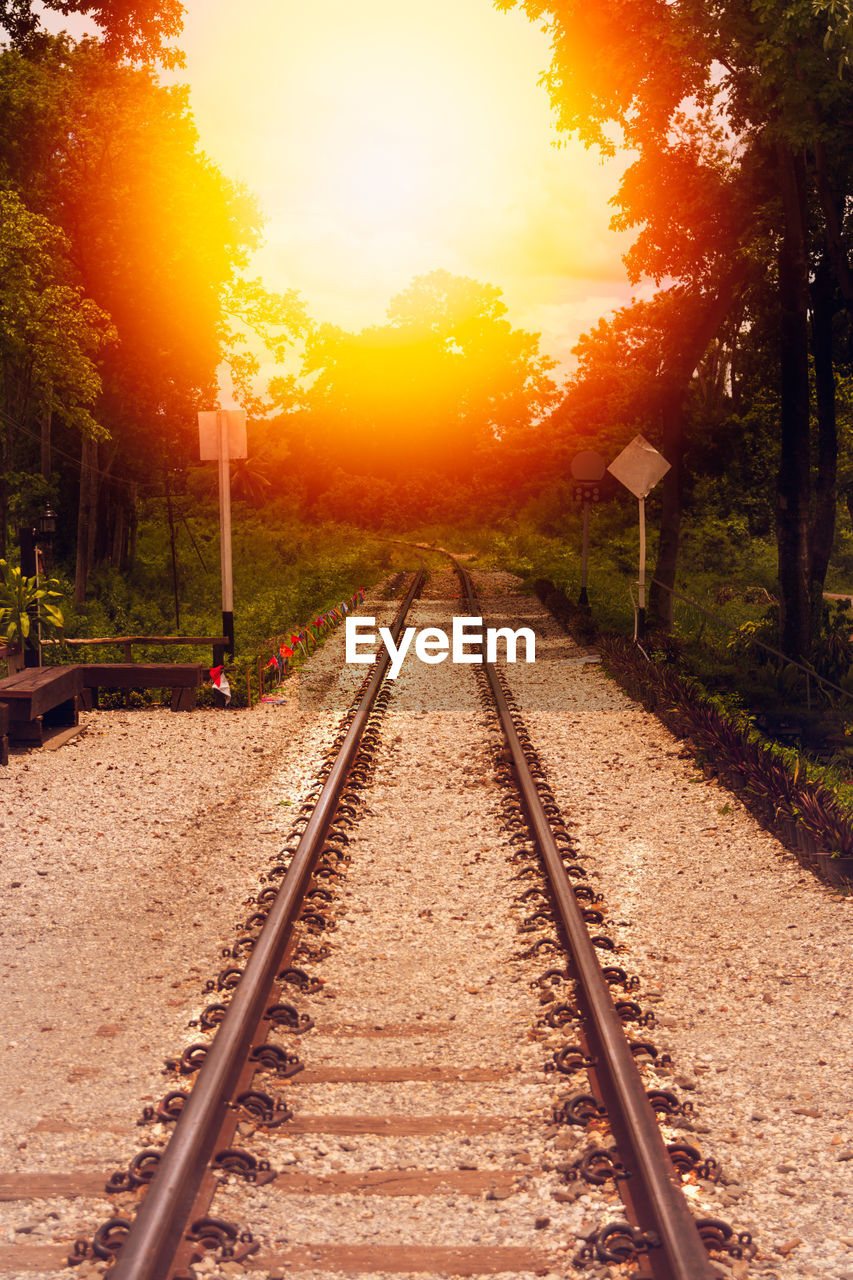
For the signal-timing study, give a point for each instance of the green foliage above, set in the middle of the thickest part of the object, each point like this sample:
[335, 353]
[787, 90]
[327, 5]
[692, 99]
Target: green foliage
[50, 332]
[285, 572]
[21, 600]
[132, 29]
[432, 390]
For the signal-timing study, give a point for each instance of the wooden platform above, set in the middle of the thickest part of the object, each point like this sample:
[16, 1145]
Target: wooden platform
[39, 697]
[183, 678]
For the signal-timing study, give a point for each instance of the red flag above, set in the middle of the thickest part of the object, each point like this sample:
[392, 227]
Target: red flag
[220, 682]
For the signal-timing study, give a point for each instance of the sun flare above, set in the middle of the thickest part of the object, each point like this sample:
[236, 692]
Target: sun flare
[377, 178]
[389, 155]
[386, 140]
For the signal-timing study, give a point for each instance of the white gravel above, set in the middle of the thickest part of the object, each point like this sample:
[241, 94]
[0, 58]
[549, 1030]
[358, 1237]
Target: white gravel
[746, 958]
[132, 852]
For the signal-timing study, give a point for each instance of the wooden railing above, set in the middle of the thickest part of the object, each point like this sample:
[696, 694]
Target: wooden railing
[127, 642]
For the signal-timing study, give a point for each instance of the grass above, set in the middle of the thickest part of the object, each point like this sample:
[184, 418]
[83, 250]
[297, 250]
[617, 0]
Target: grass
[285, 573]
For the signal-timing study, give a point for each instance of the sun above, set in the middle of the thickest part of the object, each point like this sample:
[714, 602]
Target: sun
[388, 158]
[385, 140]
[380, 178]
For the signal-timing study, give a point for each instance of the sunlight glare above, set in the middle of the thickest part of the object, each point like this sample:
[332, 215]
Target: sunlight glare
[388, 158]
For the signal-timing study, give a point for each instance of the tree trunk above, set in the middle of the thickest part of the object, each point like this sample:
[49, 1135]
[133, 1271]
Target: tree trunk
[832, 218]
[826, 486]
[46, 424]
[663, 582]
[133, 522]
[709, 316]
[5, 469]
[86, 517]
[119, 535]
[793, 486]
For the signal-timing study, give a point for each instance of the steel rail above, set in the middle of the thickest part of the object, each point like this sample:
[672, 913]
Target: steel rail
[155, 1234]
[682, 1254]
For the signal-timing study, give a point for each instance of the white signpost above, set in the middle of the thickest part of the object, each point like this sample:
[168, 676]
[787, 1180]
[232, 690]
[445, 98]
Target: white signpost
[221, 437]
[639, 467]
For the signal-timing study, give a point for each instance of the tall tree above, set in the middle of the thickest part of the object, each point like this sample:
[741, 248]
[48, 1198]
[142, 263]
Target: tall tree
[435, 388]
[50, 335]
[157, 237]
[747, 96]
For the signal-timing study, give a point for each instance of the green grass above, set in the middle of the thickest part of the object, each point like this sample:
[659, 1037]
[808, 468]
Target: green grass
[285, 573]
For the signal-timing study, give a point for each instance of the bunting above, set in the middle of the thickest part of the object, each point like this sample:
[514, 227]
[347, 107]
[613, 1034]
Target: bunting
[280, 663]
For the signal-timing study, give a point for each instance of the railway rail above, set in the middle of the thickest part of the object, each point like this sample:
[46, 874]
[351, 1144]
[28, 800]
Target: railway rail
[583, 995]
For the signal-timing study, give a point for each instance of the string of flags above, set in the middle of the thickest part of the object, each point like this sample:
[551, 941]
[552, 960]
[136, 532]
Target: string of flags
[281, 663]
[300, 643]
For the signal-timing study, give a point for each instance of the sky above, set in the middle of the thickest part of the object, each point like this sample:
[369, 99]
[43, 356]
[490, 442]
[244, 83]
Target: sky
[389, 138]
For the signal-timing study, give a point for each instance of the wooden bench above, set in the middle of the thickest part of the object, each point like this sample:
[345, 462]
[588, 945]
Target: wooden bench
[39, 697]
[183, 678]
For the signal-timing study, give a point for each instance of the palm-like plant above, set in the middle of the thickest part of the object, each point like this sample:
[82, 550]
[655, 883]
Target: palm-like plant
[21, 600]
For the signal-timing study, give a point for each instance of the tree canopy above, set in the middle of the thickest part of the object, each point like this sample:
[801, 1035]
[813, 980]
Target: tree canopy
[132, 29]
[736, 115]
[434, 388]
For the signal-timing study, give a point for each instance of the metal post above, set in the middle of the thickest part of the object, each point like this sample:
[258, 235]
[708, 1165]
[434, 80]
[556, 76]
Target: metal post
[641, 612]
[171, 517]
[583, 598]
[225, 532]
[29, 569]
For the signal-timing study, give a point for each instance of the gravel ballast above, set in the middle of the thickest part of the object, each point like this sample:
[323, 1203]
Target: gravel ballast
[745, 957]
[128, 856]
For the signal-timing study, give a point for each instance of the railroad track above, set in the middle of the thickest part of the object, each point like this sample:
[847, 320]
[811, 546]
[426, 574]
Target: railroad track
[216, 1185]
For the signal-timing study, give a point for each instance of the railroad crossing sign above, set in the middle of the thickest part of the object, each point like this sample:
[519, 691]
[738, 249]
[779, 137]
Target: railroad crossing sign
[639, 467]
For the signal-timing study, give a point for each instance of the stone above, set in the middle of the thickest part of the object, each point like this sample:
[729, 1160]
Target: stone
[498, 1193]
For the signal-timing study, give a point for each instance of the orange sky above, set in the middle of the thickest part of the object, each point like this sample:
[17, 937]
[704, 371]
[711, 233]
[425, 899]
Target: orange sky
[389, 138]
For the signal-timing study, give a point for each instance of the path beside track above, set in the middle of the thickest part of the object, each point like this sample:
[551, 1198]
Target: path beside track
[747, 958]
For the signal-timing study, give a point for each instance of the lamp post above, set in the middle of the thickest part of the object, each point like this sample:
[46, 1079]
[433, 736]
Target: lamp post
[36, 544]
[46, 533]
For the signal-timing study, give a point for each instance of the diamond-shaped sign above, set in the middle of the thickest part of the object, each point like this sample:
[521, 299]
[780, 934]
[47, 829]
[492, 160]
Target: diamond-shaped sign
[639, 467]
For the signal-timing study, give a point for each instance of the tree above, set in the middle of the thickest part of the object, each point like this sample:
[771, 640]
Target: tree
[746, 103]
[157, 237]
[134, 29]
[50, 335]
[434, 389]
